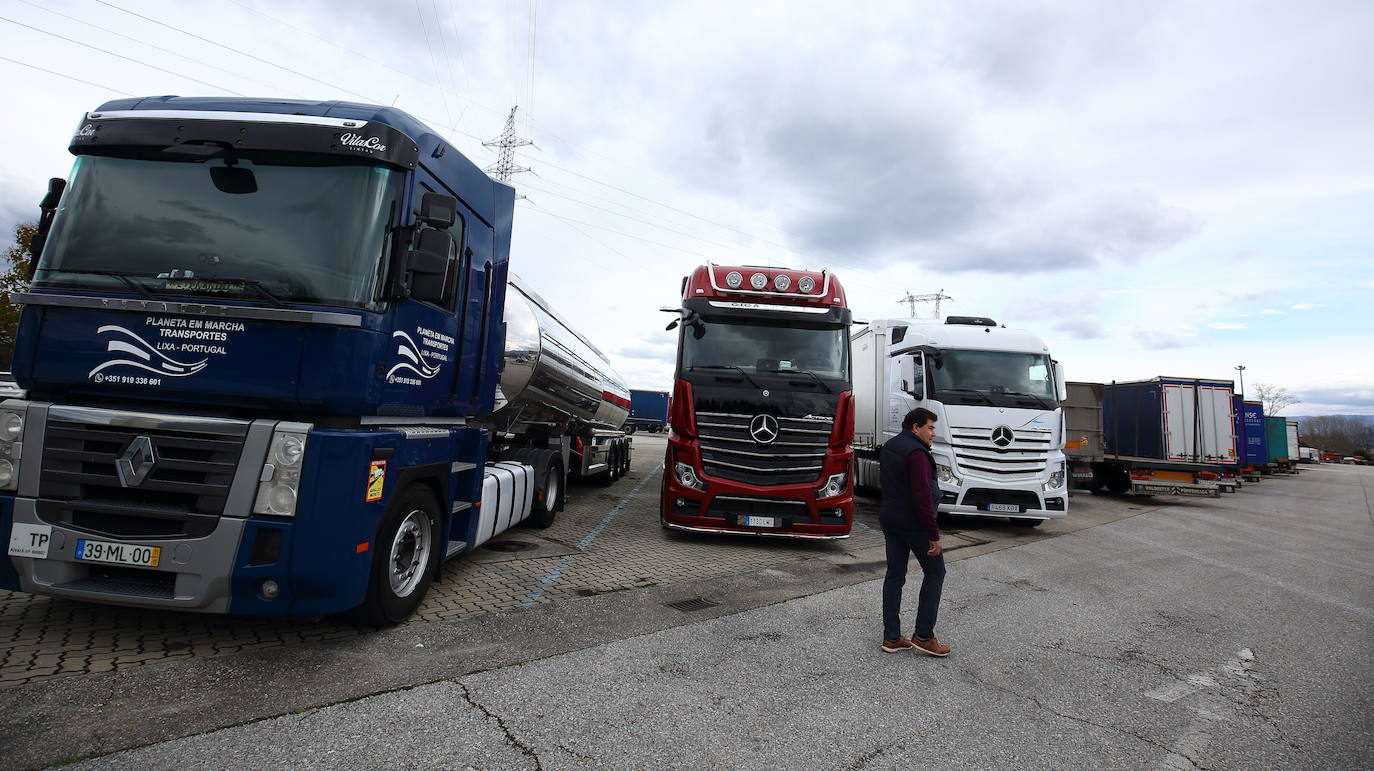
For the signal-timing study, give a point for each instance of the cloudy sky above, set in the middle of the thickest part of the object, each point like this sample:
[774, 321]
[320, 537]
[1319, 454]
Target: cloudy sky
[1156, 188]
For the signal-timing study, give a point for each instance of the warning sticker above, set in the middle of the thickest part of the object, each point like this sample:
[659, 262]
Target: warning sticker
[376, 480]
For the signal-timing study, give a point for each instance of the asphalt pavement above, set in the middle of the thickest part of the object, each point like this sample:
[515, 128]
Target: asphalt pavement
[1228, 633]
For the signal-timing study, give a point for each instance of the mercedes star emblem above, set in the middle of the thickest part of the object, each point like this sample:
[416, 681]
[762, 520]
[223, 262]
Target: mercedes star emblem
[1002, 436]
[764, 429]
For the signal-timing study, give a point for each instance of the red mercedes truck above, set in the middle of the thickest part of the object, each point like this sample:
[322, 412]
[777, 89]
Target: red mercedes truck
[762, 414]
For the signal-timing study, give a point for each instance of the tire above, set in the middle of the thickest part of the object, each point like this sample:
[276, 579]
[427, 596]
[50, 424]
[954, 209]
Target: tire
[1025, 522]
[403, 558]
[608, 477]
[550, 483]
[1118, 482]
[629, 429]
[624, 457]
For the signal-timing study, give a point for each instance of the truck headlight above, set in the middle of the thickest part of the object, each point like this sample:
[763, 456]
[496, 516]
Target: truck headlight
[11, 447]
[687, 476]
[945, 474]
[280, 481]
[1056, 479]
[834, 485]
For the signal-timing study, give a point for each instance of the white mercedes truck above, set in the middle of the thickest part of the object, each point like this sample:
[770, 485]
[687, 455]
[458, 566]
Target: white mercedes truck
[996, 393]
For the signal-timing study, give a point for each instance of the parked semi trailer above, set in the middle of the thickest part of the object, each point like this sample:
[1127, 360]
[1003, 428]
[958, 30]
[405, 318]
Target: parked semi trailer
[1283, 457]
[1250, 436]
[275, 365]
[996, 393]
[1164, 436]
[648, 411]
[762, 410]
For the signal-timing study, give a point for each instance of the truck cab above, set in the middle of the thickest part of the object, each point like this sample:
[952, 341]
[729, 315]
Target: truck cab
[996, 393]
[761, 415]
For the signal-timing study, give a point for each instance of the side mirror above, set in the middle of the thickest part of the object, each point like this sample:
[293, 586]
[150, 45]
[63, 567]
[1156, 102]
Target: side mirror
[428, 265]
[1061, 383]
[438, 211]
[47, 209]
[912, 373]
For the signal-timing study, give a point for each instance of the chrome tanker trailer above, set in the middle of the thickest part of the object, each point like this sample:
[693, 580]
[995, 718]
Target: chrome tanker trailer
[558, 391]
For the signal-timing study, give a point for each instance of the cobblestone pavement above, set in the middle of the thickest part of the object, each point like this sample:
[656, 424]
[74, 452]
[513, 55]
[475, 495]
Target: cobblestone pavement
[607, 540]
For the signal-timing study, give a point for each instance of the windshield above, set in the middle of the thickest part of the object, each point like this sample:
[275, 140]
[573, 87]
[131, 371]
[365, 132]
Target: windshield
[998, 378]
[296, 232]
[767, 348]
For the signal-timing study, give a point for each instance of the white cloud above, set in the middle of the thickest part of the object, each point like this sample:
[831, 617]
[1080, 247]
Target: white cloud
[1302, 307]
[1271, 312]
[1228, 325]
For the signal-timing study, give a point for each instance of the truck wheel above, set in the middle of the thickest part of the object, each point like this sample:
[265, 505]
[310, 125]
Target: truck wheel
[607, 477]
[624, 457]
[630, 429]
[403, 558]
[1119, 483]
[551, 482]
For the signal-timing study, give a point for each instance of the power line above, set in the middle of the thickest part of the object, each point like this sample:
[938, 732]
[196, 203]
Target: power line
[118, 56]
[644, 222]
[237, 51]
[62, 75]
[433, 61]
[627, 235]
[109, 31]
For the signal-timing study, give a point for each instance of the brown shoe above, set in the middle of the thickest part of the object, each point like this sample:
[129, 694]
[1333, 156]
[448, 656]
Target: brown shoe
[896, 646]
[931, 647]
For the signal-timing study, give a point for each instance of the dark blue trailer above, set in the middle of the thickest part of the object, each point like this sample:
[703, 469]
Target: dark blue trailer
[648, 410]
[1254, 450]
[1167, 435]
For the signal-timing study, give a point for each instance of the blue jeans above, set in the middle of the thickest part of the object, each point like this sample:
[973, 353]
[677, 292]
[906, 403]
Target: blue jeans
[899, 548]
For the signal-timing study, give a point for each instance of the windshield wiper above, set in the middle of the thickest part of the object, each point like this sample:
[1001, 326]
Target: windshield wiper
[813, 375]
[1038, 400]
[143, 290]
[977, 393]
[735, 367]
[257, 285]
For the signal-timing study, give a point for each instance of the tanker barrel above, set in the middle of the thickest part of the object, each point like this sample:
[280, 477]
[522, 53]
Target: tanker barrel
[552, 373]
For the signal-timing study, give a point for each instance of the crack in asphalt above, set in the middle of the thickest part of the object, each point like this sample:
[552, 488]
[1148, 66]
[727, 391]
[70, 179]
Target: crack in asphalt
[511, 739]
[870, 756]
[1115, 729]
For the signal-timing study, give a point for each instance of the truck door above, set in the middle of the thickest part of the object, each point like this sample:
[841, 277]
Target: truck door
[907, 389]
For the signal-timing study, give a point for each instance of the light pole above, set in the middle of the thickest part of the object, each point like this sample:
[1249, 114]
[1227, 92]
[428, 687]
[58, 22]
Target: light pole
[1240, 368]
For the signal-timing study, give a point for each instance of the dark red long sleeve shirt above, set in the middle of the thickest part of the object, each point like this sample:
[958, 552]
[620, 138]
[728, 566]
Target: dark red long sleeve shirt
[922, 468]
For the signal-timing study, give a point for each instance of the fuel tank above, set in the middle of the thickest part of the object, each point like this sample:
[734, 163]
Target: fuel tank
[553, 374]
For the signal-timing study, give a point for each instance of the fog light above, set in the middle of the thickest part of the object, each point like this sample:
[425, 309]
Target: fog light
[806, 284]
[269, 590]
[6, 473]
[680, 502]
[281, 500]
[758, 281]
[782, 283]
[734, 280]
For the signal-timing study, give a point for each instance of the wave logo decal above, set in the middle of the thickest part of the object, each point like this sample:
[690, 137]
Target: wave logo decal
[412, 361]
[140, 354]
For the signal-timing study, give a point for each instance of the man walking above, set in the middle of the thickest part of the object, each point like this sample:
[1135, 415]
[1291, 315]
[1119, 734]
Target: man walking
[911, 496]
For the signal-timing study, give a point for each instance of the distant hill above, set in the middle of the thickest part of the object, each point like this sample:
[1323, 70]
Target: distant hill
[1367, 420]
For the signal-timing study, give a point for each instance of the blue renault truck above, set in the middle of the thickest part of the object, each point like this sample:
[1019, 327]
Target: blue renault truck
[275, 363]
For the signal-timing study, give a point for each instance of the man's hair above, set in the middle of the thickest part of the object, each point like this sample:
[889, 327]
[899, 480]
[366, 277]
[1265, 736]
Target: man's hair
[918, 417]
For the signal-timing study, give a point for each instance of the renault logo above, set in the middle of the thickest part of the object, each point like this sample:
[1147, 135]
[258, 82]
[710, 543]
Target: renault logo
[1002, 436]
[136, 462]
[764, 429]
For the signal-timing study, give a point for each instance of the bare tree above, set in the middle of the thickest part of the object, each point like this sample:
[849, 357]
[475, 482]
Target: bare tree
[1275, 398]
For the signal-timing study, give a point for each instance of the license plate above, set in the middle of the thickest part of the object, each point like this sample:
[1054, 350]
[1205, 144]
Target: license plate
[118, 553]
[1010, 508]
[752, 521]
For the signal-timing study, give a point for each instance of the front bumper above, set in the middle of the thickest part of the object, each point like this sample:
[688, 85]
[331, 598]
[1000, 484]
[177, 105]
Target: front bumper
[723, 506]
[998, 502]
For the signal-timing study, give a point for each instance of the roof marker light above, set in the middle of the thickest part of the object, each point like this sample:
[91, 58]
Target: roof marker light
[733, 279]
[758, 281]
[781, 282]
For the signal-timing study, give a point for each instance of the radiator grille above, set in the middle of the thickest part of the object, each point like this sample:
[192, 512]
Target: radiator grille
[192, 472]
[1024, 457]
[729, 451]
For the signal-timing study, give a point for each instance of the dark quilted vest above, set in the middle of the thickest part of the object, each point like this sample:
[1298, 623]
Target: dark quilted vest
[896, 512]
